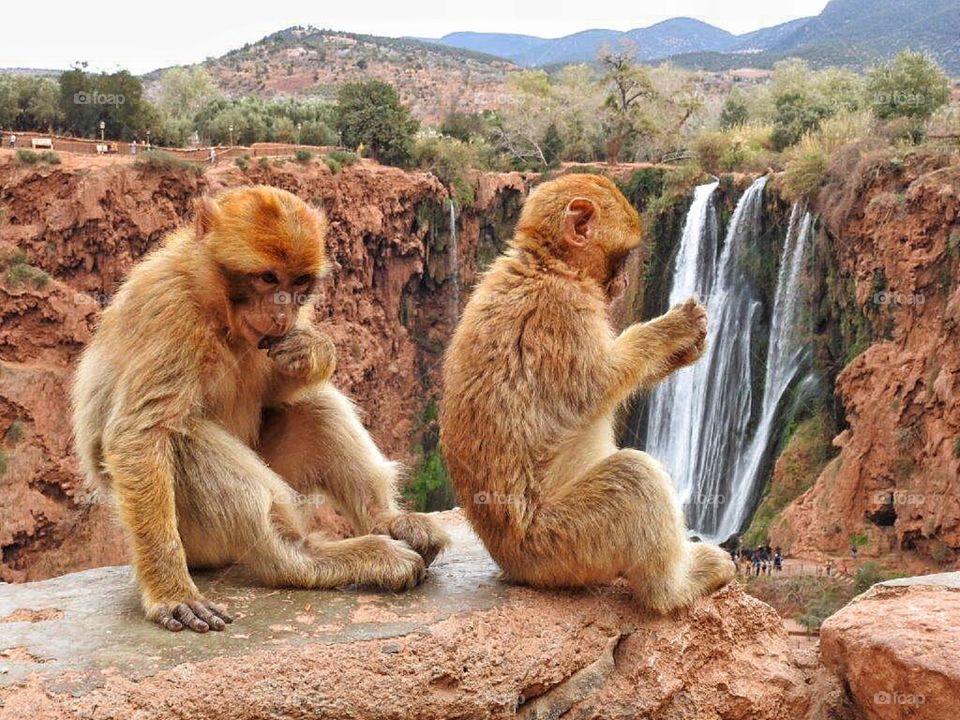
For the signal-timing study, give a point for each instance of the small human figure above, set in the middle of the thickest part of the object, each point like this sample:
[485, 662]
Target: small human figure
[13, 141]
[133, 147]
[213, 155]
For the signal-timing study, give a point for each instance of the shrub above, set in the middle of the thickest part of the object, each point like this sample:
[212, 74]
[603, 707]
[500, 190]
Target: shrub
[344, 157]
[264, 162]
[332, 163]
[303, 156]
[49, 157]
[243, 162]
[463, 126]
[735, 111]
[27, 157]
[160, 161]
[449, 159]
[21, 274]
[710, 148]
[3, 462]
[15, 432]
[806, 169]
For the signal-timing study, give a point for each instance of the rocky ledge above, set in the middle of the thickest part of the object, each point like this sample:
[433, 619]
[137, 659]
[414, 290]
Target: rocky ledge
[463, 645]
[897, 648]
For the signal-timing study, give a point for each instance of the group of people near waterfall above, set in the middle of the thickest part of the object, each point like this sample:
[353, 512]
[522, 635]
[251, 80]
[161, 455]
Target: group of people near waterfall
[759, 560]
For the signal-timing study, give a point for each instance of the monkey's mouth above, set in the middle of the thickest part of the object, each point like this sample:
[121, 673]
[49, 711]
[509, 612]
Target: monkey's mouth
[268, 341]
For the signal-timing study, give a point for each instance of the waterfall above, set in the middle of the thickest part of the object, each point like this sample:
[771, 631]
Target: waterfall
[786, 353]
[454, 261]
[698, 421]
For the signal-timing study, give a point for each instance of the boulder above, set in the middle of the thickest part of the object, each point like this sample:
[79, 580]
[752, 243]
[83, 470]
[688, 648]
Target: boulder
[462, 645]
[897, 648]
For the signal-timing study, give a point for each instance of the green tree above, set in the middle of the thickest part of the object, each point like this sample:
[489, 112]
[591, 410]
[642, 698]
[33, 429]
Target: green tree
[183, 91]
[116, 99]
[735, 111]
[552, 145]
[911, 85]
[463, 126]
[796, 113]
[370, 113]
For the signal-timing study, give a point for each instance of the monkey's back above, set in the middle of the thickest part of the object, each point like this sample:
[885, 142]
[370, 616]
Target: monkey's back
[519, 376]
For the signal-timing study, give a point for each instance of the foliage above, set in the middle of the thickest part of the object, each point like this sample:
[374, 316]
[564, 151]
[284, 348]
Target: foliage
[807, 168]
[18, 272]
[449, 160]
[869, 574]
[29, 102]
[808, 599]
[798, 466]
[429, 482]
[160, 161]
[735, 111]
[911, 85]
[369, 113]
[303, 156]
[463, 126]
[115, 99]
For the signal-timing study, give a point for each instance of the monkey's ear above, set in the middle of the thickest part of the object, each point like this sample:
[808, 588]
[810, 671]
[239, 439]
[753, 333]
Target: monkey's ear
[206, 216]
[579, 220]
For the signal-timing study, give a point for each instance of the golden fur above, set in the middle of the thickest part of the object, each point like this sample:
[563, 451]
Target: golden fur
[204, 403]
[532, 379]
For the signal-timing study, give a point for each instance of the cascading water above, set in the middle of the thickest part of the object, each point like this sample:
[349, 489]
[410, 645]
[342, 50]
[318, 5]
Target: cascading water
[698, 420]
[454, 261]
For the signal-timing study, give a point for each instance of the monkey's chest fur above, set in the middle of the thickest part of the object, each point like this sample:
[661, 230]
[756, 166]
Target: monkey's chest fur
[237, 398]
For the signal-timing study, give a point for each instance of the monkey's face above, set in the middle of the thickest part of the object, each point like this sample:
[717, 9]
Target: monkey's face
[268, 248]
[264, 306]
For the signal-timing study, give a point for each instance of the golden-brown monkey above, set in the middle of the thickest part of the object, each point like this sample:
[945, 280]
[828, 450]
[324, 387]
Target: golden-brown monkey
[532, 379]
[203, 403]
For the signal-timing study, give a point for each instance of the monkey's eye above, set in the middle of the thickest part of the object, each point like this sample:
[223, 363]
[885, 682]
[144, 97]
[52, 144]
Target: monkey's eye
[302, 280]
[270, 278]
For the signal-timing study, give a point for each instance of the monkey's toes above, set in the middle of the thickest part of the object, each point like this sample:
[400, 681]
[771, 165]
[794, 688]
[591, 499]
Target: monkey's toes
[421, 533]
[405, 570]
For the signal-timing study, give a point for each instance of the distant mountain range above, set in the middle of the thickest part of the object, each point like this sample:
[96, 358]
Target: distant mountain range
[855, 33]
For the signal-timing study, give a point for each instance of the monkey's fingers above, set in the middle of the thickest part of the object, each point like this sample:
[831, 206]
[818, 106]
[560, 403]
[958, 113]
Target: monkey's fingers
[184, 614]
[210, 614]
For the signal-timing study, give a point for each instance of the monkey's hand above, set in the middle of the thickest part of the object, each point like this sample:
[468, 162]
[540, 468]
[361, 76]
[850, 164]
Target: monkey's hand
[687, 325]
[419, 531]
[198, 614]
[306, 354]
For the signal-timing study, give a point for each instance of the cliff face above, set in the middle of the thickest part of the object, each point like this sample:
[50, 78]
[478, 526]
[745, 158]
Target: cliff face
[890, 305]
[69, 233]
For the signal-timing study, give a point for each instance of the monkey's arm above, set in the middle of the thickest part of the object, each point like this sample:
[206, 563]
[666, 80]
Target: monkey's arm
[304, 357]
[141, 467]
[646, 353]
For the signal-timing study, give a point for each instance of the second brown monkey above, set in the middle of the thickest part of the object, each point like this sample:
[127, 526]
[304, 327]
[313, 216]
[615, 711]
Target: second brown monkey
[532, 379]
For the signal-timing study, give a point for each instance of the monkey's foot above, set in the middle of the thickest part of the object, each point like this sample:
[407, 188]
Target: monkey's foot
[200, 615]
[392, 565]
[710, 567]
[420, 532]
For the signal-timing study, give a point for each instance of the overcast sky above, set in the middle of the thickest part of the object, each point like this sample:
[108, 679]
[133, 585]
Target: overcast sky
[143, 36]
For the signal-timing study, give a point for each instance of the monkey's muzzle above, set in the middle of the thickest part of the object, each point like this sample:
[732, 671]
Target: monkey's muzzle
[268, 341]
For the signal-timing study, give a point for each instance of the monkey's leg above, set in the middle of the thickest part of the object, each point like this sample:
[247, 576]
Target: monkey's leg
[141, 466]
[621, 519]
[318, 442]
[228, 498]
